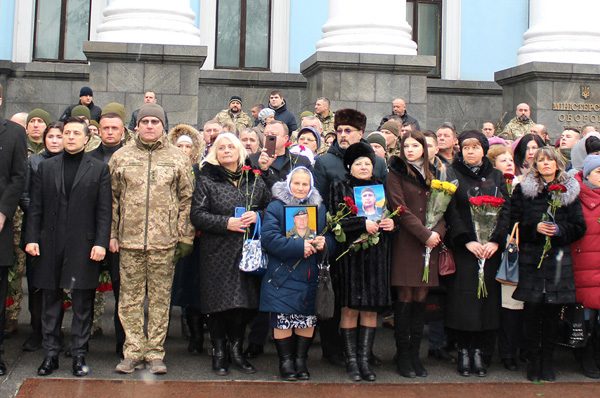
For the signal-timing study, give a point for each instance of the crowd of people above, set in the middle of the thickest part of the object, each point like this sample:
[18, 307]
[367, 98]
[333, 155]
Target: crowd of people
[171, 215]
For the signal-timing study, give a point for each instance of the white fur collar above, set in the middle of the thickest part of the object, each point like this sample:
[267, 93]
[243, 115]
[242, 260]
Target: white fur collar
[531, 187]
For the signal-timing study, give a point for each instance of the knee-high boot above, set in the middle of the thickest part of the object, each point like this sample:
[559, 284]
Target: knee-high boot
[302, 346]
[286, 351]
[349, 338]
[417, 323]
[366, 337]
[533, 336]
[195, 326]
[402, 313]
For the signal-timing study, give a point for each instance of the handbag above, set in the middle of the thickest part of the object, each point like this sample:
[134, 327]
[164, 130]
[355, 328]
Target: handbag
[508, 272]
[446, 265]
[572, 331]
[325, 298]
[254, 259]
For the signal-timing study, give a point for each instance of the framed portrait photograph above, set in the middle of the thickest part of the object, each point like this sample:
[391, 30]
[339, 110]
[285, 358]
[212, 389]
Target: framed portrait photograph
[301, 222]
[370, 200]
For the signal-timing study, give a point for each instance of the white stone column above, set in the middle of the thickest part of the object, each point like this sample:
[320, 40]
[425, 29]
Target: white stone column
[149, 21]
[367, 26]
[562, 31]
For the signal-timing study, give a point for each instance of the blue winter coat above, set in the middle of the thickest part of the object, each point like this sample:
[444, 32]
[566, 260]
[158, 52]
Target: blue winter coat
[284, 289]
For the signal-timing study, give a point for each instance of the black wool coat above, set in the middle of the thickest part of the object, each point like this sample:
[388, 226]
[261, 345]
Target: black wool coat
[222, 286]
[362, 278]
[70, 227]
[13, 165]
[551, 283]
[464, 311]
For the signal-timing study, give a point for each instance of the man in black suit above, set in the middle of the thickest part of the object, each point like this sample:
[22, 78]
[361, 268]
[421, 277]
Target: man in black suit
[111, 133]
[67, 232]
[13, 161]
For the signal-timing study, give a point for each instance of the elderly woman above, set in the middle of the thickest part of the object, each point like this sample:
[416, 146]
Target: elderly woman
[363, 283]
[408, 186]
[586, 266]
[289, 287]
[545, 283]
[228, 295]
[473, 318]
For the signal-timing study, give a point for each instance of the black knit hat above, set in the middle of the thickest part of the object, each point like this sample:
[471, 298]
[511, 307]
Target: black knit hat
[235, 98]
[478, 135]
[350, 117]
[85, 90]
[358, 150]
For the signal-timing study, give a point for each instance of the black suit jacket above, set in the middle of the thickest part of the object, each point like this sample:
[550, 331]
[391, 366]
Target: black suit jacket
[13, 164]
[67, 230]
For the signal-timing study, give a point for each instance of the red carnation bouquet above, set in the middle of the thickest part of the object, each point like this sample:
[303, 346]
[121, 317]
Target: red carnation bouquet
[345, 209]
[508, 178]
[104, 282]
[556, 191]
[484, 213]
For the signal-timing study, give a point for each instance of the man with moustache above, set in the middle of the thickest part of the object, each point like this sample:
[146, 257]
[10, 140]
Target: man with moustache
[519, 125]
[329, 168]
[68, 232]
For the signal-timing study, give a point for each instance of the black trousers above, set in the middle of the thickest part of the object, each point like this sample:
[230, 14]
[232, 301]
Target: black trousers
[112, 262]
[541, 326]
[3, 293]
[259, 329]
[229, 324]
[35, 301]
[510, 334]
[81, 325]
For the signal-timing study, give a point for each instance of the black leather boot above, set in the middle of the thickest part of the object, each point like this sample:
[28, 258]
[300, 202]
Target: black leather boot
[417, 323]
[534, 366]
[196, 331]
[285, 350]
[548, 373]
[49, 365]
[402, 336]
[366, 337]
[302, 346]
[349, 338]
[238, 359]
[478, 366]
[463, 364]
[220, 363]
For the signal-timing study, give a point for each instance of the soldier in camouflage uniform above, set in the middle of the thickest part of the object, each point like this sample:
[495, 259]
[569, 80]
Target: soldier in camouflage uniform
[152, 193]
[235, 115]
[325, 116]
[519, 125]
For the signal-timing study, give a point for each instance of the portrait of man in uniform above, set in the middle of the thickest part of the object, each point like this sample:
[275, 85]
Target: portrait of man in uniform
[301, 222]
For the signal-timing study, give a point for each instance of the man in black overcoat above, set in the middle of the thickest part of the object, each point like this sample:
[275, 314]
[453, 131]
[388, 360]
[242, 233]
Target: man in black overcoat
[67, 232]
[13, 162]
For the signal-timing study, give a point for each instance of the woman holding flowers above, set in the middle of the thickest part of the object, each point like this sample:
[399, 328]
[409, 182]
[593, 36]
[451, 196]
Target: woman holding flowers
[363, 275]
[408, 185]
[545, 263]
[472, 314]
[228, 295]
[290, 284]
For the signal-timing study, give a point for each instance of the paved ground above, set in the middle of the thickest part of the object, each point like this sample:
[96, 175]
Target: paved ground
[184, 367]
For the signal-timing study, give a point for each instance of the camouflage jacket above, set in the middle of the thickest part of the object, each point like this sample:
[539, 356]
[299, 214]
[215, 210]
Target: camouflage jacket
[516, 129]
[152, 195]
[327, 122]
[241, 120]
[33, 148]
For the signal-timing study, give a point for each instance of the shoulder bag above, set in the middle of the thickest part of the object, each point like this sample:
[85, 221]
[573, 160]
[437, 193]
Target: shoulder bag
[446, 265]
[508, 272]
[254, 259]
[325, 298]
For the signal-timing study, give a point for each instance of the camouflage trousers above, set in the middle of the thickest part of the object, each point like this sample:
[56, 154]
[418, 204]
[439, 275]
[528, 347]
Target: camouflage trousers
[99, 304]
[16, 273]
[145, 272]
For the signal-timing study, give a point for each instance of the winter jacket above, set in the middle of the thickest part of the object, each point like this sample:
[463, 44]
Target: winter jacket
[290, 284]
[283, 115]
[222, 285]
[95, 112]
[550, 283]
[198, 143]
[586, 251]
[406, 119]
[329, 169]
[152, 193]
[274, 174]
[240, 120]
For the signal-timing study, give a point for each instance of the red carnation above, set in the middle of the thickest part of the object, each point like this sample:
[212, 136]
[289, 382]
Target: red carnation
[349, 201]
[288, 144]
[246, 168]
[509, 177]
[256, 172]
[400, 209]
[9, 301]
[302, 147]
[557, 188]
[66, 305]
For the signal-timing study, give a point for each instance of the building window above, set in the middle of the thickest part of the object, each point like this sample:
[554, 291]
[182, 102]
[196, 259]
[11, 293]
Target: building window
[61, 27]
[243, 34]
[425, 17]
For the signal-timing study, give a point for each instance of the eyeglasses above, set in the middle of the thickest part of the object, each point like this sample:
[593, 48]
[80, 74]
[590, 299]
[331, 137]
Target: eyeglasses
[346, 130]
[153, 122]
[307, 139]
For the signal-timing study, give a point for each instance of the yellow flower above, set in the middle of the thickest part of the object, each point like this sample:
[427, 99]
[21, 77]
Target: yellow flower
[436, 184]
[449, 187]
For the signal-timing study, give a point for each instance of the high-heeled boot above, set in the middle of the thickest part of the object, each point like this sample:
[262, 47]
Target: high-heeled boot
[366, 337]
[349, 339]
[417, 323]
[402, 336]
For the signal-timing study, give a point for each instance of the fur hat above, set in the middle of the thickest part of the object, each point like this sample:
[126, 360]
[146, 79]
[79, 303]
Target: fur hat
[350, 117]
[391, 126]
[377, 138]
[358, 150]
[478, 135]
[186, 130]
[115, 107]
[42, 114]
[151, 110]
[590, 163]
[86, 91]
[81, 110]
